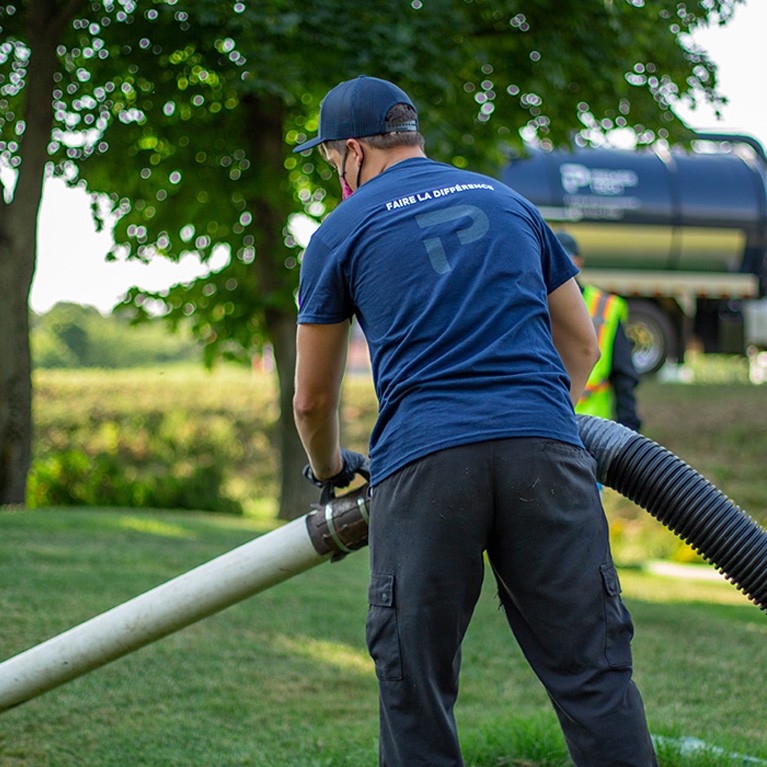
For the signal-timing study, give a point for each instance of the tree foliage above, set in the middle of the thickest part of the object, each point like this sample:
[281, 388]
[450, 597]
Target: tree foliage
[183, 112]
[197, 90]
[75, 336]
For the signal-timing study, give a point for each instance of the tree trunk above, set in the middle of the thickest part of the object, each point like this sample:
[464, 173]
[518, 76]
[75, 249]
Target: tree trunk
[296, 494]
[18, 244]
[15, 368]
[276, 282]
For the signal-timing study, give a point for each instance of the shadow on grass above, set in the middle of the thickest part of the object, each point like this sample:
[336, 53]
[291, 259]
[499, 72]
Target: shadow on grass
[283, 680]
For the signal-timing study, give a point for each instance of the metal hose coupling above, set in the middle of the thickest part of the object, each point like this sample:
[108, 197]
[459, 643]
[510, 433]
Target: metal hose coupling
[682, 500]
[340, 526]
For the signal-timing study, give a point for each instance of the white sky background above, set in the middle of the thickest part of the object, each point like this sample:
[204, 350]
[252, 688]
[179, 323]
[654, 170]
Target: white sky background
[71, 264]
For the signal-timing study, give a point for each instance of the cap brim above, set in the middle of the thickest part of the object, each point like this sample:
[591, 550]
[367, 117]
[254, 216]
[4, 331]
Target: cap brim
[309, 144]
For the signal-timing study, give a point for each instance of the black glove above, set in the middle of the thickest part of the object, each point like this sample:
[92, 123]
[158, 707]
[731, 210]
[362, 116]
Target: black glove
[353, 463]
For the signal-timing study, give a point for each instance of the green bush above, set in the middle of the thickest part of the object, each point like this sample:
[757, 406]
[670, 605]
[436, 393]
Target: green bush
[173, 437]
[178, 438]
[74, 478]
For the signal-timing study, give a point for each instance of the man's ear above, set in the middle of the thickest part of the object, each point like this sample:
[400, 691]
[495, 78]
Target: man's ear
[355, 148]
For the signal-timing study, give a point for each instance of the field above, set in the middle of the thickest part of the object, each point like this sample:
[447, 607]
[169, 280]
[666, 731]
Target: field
[184, 438]
[283, 679]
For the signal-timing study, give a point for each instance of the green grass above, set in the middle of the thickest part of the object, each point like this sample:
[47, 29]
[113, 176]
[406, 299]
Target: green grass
[284, 677]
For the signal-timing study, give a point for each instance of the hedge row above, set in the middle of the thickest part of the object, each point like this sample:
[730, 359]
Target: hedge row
[162, 438]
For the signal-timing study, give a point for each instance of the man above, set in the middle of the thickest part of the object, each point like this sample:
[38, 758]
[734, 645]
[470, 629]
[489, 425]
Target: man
[609, 392]
[480, 343]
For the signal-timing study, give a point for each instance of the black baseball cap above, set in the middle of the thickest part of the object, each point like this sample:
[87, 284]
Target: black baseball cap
[358, 108]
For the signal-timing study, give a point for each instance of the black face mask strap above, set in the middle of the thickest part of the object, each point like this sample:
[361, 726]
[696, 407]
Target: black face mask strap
[343, 164]
[359, 170]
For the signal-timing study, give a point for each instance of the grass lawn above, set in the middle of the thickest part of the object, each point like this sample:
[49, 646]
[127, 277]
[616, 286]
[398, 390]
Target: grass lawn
[284, 677]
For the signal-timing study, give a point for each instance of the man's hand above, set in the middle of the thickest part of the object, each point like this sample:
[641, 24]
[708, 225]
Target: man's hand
[353, 463]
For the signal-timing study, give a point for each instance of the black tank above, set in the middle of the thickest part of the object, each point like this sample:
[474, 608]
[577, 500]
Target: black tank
[687, 211]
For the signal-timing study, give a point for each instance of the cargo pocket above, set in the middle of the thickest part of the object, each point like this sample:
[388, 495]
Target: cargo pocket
[381, 630]
[618, 626]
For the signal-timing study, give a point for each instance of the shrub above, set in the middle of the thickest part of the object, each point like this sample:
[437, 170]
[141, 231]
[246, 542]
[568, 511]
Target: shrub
[182, 439]
[171, 479]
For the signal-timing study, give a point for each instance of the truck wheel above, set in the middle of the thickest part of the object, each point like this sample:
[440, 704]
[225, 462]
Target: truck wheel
[652, 336]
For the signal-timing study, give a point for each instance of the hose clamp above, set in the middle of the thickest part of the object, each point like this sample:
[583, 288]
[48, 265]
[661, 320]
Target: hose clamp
[330, 522]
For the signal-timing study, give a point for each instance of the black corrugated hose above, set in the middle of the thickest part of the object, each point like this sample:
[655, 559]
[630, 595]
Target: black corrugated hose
[681, 499]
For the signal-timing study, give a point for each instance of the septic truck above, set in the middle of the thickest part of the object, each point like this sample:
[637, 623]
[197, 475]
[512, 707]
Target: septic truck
[681, 234]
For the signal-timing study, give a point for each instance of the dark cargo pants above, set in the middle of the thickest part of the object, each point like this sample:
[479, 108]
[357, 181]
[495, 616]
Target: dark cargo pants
[533, 505]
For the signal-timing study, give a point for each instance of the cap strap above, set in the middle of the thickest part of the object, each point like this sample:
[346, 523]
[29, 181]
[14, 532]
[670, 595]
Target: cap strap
[410, 125]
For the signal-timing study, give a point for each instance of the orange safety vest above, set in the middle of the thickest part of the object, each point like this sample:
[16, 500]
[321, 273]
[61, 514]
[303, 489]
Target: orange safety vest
[607, 311]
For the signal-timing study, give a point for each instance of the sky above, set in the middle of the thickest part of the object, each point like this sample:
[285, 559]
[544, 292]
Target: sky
[71, 263]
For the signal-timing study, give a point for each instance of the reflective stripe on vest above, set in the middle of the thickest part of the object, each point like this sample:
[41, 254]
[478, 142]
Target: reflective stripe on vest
[606, 311]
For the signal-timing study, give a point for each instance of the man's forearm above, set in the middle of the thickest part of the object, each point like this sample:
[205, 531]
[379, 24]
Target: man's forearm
[573, 334]
[319, 432]
[578, 367]
[320, 362]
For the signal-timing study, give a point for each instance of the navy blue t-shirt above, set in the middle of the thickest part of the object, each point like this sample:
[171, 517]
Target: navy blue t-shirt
[448, 274]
